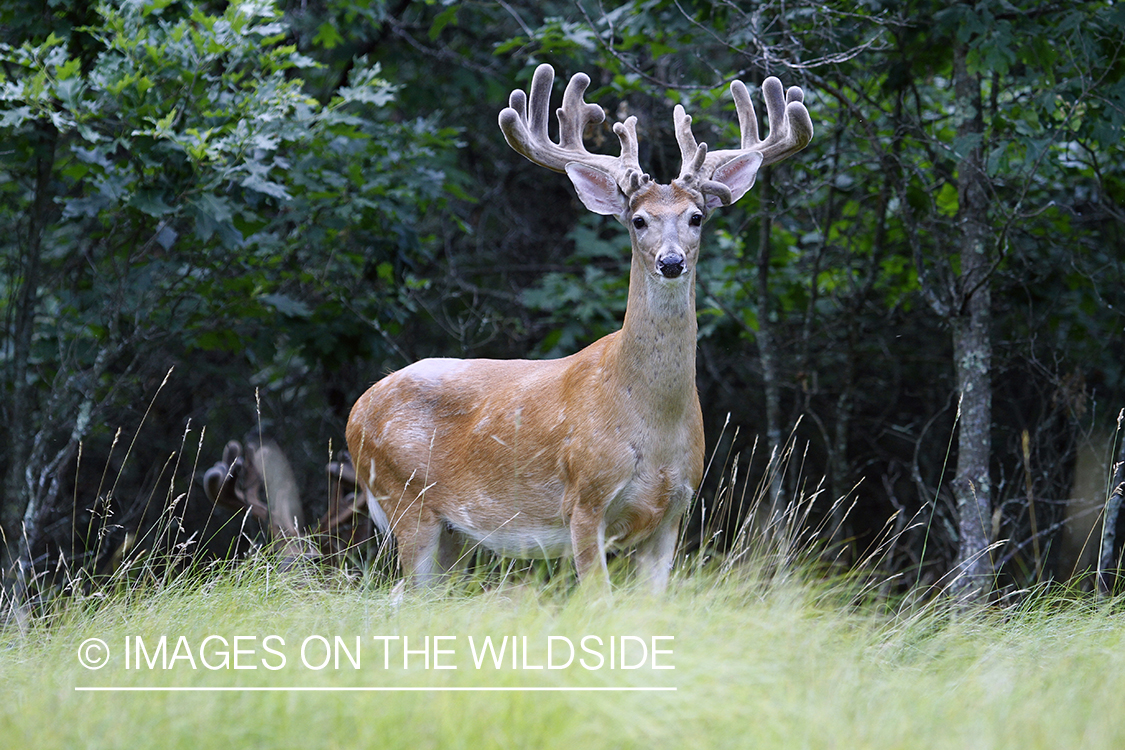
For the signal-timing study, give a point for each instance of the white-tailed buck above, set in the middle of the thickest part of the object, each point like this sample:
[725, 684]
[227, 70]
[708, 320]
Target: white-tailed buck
[259, 481]
[596, 451]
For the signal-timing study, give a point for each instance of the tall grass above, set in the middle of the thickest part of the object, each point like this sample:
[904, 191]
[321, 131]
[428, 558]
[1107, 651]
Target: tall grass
[770, 649]
[756, 664]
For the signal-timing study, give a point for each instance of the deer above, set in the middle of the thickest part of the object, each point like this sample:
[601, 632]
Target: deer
[242, 477]
[597, 452]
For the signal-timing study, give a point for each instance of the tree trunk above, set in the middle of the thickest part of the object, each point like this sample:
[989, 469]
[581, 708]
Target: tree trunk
[1108, 563]
[971, 319]
[18, 409]
[16, 504]
[768, 356]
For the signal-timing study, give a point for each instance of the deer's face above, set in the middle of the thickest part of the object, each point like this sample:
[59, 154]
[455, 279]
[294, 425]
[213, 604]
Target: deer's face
[666, 223]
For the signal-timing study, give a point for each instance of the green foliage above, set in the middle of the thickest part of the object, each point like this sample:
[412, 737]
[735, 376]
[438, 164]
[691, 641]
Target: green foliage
[589, 302]
[196, 141]
[864, 224]
[296, 197]
[177, 193]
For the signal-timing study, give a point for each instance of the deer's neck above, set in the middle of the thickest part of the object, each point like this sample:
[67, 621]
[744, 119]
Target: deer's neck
[657, 342]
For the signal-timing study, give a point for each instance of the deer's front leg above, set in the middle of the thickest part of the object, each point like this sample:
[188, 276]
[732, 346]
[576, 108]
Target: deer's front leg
[654, 556]
[587, 537]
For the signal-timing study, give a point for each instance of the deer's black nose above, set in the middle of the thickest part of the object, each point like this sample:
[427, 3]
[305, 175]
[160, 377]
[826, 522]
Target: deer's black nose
[670, 266]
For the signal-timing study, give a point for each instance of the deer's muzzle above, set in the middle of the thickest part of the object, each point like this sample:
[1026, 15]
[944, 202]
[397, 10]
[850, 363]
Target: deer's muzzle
[670, 266]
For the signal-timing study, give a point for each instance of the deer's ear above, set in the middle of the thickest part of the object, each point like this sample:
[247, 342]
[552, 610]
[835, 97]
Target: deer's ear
[739, 174]
[597, 190]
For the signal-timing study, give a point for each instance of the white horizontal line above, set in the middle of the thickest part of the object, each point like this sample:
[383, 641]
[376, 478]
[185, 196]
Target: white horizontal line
[231, 689]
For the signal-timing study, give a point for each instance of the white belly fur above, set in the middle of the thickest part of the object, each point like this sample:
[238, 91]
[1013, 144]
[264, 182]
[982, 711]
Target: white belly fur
[541, 540]
[545, 542]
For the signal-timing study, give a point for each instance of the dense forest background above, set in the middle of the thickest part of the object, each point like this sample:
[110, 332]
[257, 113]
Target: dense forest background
[225, 220]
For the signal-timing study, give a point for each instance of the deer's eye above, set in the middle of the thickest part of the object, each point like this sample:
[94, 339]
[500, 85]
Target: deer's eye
[638, 222]
[696, 220]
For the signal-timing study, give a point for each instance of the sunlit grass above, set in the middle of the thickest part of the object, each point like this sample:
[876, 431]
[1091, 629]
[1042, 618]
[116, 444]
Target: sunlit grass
[761, 664]
[772, 647]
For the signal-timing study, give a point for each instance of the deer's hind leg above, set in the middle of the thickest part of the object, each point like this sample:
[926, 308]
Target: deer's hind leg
[418, 538]
[429, 549]
[452, 552]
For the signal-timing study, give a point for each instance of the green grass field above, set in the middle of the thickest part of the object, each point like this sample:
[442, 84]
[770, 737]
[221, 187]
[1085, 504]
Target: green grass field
[783, 664]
